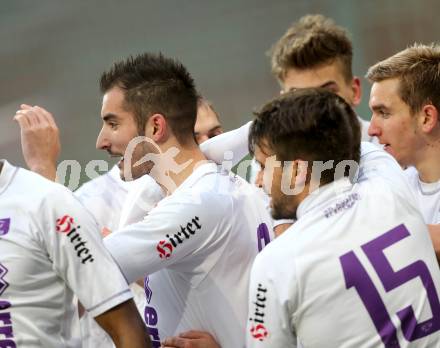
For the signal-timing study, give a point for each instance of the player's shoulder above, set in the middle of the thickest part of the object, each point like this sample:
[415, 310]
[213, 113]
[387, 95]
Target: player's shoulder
[282, 247]
[37, 197]
[376, 163]
[36, 186]
[208, 183]
[278, 260]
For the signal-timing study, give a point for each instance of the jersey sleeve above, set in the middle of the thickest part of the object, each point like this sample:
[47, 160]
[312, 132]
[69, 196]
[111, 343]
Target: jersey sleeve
[178, 233]
[78, 254]
[235, 141]
[269, 318]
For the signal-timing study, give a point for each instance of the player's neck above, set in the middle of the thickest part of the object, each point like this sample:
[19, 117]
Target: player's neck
[428, 164]
[188, 158]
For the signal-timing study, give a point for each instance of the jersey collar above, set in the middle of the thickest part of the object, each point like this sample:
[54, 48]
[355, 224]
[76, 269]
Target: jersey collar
[206, 168]
[323, 195]
[6, 175]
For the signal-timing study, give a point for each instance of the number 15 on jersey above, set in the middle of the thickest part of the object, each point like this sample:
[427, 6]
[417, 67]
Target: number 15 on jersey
[356, 276]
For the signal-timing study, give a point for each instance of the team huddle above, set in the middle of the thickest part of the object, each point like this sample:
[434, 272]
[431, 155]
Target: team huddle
[334, 241]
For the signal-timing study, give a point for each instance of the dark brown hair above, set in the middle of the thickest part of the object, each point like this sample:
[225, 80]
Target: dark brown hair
[311, 124]
[155, 84]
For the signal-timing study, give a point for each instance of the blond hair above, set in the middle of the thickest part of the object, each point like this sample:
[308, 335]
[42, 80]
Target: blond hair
[418, 70]
[312, 41]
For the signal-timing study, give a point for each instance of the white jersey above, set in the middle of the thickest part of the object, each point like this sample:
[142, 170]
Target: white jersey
[104, 197]
[356, 270]
[196, 246]
[48, 250]
[364, 131]
[427, 196]
[233, 145]
[115, 203]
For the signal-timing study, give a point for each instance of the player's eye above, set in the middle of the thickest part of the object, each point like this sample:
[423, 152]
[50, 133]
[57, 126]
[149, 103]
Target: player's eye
[113, 125]
[216, 132]
[384, 114]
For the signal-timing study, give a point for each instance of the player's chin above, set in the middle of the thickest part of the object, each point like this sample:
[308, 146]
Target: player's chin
[127, 174]
[133, 173]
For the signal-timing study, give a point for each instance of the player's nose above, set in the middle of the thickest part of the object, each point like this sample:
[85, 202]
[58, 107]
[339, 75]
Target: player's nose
[374, 129]
[102, 142]
[259, 179]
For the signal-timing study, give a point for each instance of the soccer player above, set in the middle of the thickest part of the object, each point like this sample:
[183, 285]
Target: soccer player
[109, 200]
[405, 102]
[48, 252]
[207, 123]
[315, 52]
[357, 268]
[197, 245]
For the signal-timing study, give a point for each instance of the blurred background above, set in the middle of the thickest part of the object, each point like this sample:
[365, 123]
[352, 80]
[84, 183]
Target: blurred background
[53, 52]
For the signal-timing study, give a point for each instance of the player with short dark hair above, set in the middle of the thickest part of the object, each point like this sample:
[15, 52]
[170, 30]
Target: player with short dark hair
[196, 247]
[358, 263]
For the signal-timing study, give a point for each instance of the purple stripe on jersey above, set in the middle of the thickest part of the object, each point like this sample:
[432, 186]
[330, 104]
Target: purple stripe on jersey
[4, 226]
[263, 236]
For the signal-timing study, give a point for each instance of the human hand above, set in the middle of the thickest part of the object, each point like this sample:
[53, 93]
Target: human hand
[40, 141]
[191, 339]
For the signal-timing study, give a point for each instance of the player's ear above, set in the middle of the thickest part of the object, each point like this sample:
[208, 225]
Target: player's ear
[356, 90]
[157, 128]
[429, 118]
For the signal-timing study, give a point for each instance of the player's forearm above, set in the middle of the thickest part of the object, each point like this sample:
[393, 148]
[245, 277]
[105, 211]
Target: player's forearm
[235, 141]
[125, 326]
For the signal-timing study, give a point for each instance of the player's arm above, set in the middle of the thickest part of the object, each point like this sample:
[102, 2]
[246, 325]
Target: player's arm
[434, 231]
[269, 323]
[40, 141]
[191, 339]
[79, 258]
[169, 234]
[235, 141]
[125, 326]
